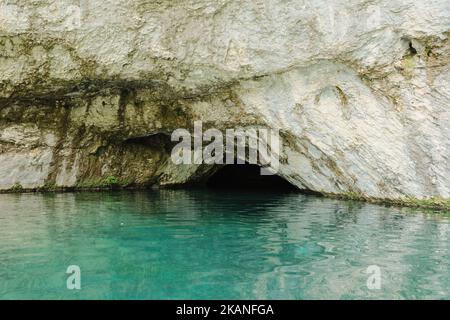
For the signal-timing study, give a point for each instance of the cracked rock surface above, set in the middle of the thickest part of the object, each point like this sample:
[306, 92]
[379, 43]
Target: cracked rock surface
[359, 89]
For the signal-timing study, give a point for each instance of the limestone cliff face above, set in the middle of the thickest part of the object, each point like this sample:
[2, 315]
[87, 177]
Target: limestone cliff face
[359, 89]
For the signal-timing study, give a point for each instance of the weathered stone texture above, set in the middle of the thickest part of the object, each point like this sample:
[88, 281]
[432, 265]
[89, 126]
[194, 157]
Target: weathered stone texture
[359, 89]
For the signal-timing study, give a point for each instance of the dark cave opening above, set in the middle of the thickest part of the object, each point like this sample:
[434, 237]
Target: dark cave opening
[241, 177]
[247, 177]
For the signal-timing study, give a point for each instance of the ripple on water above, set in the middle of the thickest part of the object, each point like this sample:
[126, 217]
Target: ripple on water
[178, 244]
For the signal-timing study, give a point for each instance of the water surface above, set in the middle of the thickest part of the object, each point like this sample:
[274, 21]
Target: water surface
[201, 244]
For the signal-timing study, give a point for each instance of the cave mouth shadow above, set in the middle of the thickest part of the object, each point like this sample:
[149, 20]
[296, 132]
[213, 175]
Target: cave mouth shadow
[247, 177]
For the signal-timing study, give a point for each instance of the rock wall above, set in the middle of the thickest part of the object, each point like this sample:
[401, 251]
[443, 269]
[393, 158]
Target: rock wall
[91, 90]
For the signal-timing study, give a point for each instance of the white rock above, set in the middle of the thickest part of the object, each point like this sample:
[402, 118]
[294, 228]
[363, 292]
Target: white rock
[362, 88]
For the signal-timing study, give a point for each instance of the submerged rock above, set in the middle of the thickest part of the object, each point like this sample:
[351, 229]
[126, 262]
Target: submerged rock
[360, 90]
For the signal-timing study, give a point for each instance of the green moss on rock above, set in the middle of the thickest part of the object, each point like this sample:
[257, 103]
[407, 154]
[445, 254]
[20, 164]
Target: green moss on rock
[16, 188]
[437, 203]
[109, 182]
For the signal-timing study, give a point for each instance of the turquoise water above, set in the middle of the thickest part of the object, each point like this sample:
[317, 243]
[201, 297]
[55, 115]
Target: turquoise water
[175, 244]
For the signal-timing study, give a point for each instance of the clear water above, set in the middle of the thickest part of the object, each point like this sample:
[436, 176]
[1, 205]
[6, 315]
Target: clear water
[176, 244]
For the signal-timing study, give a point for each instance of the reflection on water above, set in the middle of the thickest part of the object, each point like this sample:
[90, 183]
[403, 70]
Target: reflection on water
[175, 244]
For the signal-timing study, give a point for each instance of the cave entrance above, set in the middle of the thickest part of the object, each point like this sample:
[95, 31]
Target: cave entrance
[247, 177]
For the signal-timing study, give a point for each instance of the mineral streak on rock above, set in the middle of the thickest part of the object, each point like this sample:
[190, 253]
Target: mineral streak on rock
[359, 89]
